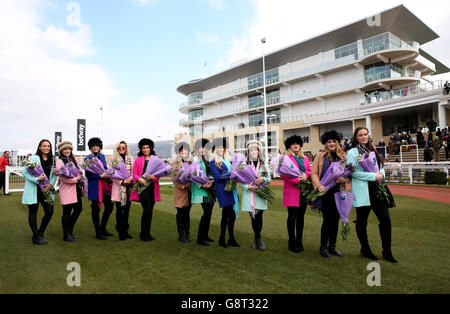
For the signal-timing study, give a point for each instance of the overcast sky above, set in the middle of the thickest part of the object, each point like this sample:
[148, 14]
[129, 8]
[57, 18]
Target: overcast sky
[60, 62]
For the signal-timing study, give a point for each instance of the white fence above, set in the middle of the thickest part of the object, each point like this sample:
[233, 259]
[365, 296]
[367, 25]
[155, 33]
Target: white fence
[15, 182]
[413, 172]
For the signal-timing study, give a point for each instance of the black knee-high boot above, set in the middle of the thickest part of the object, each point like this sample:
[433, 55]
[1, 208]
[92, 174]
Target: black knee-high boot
[231, 221]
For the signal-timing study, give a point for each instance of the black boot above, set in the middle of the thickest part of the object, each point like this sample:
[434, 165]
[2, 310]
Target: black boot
[387, 255]
[333, 250]
[292, 247]
[324, 252]
[122, 233]
[367, 252]
[41, 238]
[127, 227]
[260, 244]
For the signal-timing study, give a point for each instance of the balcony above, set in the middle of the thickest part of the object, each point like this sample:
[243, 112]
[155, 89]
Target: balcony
[402, 94]
[321, 68]
[387, 78]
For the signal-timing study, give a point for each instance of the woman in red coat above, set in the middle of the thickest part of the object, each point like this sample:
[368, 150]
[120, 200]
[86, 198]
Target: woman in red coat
[292, 196]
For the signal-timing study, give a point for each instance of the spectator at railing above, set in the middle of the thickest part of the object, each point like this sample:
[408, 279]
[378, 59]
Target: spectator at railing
[437, 144]
[428, 154]
[430, 138]
[439, 133]
[446, 88]
[381, 148]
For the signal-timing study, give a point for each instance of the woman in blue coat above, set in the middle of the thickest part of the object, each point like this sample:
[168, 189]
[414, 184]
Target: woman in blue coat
[33, 195]
[96, 182]
[228, 201]
[364, 189]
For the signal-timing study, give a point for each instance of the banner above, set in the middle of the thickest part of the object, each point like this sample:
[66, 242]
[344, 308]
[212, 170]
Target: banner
[81, 135]
[58, 139]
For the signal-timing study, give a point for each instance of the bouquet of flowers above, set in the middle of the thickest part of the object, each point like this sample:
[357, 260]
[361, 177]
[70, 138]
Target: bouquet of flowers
[94, 166]
[181, 173]
[199, 176]
[157, 168]
[344, 201]
[118, 171]
[369, 163]
[247, 176]
[336, 170]
[71, 171]
[238, 163]
[283, 166]
[35, 169]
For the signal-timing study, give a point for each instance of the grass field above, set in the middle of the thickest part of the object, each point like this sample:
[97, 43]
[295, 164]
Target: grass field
[420, 242]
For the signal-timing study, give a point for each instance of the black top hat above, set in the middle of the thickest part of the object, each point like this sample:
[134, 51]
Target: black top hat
[330, 135]
[293, 140]
[181, 145]
[95, 141]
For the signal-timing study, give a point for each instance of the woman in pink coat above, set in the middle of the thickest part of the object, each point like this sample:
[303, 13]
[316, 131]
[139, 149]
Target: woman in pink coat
[121, 191]
[70, 193]
[292, 196]
[151, 194]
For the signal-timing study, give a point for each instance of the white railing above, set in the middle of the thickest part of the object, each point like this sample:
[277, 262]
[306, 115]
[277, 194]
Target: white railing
[414, 90]
[14, 180]
[412, 172]
[409, 145]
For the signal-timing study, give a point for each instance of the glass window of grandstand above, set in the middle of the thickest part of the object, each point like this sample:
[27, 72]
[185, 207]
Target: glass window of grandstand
[304, 133]
[382, 42]
[195, 114]
[196, 130]
[257, 119]
[346, 51]
[255, 81]
[380, 71]
[195, 98]
[257, 100]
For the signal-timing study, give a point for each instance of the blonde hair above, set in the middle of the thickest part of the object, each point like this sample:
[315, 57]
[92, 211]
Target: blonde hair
[339, 152]
[218, 159]
[300, 153]
[116, 155]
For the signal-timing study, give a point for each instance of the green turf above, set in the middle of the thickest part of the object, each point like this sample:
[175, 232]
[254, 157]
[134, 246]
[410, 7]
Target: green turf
[420, 243]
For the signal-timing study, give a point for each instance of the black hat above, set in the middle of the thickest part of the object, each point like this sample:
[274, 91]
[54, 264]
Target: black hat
[220, 142]
[201, 142]
[146, 141]
[330, 135]
[181, 145]
[293, 140]
[95, 141]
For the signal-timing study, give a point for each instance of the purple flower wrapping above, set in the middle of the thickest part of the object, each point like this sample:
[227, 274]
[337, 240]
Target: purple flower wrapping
[73, 170]
[369, 163]
[333, 172]
[198, 175]
[157, 168]
[286, 167]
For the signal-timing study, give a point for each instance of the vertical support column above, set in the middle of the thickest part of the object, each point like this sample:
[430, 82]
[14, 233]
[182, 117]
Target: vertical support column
[369, 124]
[442, 115]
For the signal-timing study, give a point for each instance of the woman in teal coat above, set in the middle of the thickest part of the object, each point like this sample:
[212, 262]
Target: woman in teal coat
[199, 194]
[364, 189]
[33, 195]
[251, 202]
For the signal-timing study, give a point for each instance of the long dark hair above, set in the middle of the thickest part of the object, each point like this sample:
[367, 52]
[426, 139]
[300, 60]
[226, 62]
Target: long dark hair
[50, 154]
[369, 145]
[71, 158]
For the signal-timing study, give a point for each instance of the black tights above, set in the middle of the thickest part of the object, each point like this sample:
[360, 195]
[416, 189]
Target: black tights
[330, 224]
[71, 212]
[296, 222]
[122, 215]
[385, 228]
[147, 200]
[257, 223]
[108, 208]
[183, 219]
[205, 221]
[228, 219]
[32, 215]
